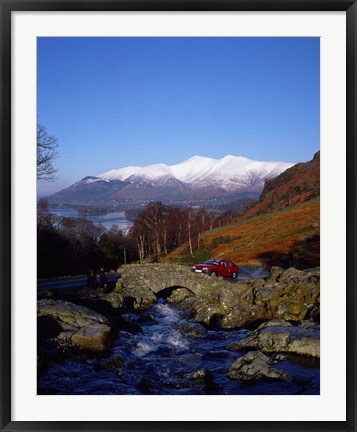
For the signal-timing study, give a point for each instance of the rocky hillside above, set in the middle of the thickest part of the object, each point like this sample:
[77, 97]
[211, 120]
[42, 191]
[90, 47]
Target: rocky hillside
[297, 184]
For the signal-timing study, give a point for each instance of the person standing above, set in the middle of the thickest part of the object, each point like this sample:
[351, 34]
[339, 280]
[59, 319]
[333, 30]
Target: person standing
[91, 278]
[102, 279]
[290, 259]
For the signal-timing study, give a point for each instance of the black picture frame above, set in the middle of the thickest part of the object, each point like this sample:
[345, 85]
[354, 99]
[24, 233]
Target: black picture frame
[9, 6]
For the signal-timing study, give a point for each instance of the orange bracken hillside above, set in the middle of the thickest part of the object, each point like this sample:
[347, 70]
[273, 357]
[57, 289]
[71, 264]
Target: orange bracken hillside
[285, 219]
[266, 240]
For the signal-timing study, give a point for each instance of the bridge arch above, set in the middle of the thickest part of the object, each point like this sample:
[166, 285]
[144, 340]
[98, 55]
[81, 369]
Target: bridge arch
[147, 282]
[168, 291]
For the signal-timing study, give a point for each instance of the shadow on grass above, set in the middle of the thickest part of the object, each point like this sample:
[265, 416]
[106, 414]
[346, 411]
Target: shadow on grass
[305, 254]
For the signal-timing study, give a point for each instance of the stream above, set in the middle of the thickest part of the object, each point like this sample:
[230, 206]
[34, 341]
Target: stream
[161, 361]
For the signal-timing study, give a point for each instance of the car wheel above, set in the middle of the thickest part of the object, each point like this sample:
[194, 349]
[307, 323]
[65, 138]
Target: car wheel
[234, 275]
[214, 274]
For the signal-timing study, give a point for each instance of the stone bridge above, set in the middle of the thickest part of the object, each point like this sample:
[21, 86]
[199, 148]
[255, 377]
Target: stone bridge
[146, 282]
[290, 294]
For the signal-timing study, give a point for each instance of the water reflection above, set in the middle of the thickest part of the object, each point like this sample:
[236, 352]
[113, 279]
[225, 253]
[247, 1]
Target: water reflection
[107, 220]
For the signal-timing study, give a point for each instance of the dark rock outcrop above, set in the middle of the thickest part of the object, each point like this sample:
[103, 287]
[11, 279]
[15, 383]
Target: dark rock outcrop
[200, 374]
[192, 329]
[93, 337]
[254, 366]
[243, 315]
[78, 326]
[115, 363]
[283, 339]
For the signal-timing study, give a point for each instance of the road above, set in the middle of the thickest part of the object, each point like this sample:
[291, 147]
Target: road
[252, 272]
[68, 282]
[248, 272]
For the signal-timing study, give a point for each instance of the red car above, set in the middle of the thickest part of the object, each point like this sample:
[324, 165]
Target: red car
[217, 267]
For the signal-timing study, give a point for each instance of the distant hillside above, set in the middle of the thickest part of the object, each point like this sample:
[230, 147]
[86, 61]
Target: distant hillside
[242, 203]
[89, 190]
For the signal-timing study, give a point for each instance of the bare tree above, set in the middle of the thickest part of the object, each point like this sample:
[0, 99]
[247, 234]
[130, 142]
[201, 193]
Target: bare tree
[153, 222]
[201, 224]
[189, 228]
[151, 230]
[139, 234]
[46, 154]
[212, 220]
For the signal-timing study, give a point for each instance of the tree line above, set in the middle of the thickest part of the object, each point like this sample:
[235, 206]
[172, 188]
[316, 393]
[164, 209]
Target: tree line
[160, 228]
[73, 245]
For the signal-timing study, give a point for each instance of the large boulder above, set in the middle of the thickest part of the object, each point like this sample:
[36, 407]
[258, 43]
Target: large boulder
[263, 296]
[232, 295]
[291, 294]
[192, 329]
[291, 275]
[115, 299]
[275, 275]
[208, 313]
[243, 316]
[290, 311]
[287, 339]
[69, 315]
[93, 337]
[78, 326]
[254, 366]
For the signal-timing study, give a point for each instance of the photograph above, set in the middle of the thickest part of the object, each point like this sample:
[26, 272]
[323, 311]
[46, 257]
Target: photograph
[178, 215]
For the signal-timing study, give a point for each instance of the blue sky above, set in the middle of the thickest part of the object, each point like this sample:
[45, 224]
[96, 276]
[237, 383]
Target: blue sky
[113, 102]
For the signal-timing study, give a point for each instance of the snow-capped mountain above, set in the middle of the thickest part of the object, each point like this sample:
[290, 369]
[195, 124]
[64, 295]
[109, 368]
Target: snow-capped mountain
[229, 173]
[197, 178]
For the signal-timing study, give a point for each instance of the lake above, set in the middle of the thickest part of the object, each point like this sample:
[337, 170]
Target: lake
[105, 220]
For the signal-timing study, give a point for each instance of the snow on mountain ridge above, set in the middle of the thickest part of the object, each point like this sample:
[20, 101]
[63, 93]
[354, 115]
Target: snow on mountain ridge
[188, 170]
[119, 174]
[229, 170]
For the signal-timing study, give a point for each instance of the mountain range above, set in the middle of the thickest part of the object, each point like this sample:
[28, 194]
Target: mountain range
[196, 179]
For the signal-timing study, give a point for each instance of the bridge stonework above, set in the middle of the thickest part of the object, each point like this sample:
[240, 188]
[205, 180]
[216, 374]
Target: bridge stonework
[291, 295]
[143, 281]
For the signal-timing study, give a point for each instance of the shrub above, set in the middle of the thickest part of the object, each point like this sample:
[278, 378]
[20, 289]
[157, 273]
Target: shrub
[220, 240]
[198, 257]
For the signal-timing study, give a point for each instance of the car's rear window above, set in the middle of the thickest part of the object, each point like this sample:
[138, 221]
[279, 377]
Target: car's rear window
[212, 262]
